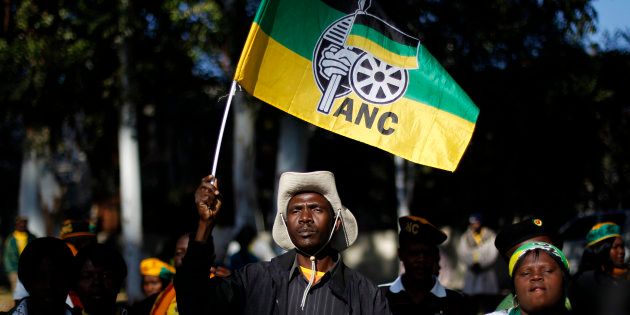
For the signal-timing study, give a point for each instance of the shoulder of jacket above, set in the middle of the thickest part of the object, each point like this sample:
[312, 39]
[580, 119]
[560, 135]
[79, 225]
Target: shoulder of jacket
[450, 293]
[360, 279]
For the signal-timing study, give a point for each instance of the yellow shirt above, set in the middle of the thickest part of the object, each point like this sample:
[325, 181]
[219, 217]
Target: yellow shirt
[21, 239]
[307, 273]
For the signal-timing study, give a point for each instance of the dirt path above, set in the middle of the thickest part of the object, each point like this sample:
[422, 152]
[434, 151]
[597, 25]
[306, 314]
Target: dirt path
[6, 300]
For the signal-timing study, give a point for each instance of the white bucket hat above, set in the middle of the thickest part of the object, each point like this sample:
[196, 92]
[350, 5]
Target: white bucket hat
[322, 182]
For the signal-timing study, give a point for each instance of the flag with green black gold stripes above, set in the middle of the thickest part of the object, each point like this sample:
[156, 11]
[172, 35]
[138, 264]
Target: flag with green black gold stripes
[346, 67]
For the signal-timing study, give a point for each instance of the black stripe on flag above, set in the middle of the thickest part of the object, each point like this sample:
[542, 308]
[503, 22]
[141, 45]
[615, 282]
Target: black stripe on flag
[344, 6]
[386, 29]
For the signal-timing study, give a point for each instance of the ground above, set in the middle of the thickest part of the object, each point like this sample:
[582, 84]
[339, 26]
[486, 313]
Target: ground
[6, 300]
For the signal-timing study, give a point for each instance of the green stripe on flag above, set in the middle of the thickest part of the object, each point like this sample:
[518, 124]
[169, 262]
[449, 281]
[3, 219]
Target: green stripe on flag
[296, 24]
[432, 85]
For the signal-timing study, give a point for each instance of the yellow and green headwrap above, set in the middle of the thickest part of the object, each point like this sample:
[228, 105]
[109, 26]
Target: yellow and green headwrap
[602, 231]
[527, 247]
[156, 267]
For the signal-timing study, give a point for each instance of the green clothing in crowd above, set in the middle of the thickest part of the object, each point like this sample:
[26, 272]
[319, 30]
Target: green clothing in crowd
[508, 303]
[12, 251]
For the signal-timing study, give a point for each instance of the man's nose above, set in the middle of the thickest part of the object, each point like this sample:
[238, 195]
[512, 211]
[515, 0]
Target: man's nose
[306, 215]
[536, 276]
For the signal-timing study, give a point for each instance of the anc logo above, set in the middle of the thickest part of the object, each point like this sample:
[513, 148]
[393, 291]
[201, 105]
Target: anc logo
[362, 53]
[412, 228]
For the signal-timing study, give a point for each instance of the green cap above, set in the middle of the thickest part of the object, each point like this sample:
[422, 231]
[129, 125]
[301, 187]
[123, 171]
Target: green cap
[602, 231]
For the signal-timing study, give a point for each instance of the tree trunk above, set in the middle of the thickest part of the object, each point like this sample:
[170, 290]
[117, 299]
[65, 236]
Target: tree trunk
[28, 202]
[129, 159]
[36, 153]
[244, 170]
[292, 151]
[405, 182]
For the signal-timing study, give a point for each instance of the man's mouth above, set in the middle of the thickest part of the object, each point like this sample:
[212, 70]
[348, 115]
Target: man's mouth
[537, 289]
[306, 232]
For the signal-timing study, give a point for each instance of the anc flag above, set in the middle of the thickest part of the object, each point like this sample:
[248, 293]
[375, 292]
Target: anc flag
[342, 66]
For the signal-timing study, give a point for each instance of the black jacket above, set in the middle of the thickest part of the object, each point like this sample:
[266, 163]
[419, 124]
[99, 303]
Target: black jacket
[598, 293]
[262, 287]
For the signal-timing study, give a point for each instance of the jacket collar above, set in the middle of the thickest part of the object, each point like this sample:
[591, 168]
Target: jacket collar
[284, 264]
[438, 289]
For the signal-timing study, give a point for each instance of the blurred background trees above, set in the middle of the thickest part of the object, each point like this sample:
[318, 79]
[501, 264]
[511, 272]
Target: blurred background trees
[552, 137]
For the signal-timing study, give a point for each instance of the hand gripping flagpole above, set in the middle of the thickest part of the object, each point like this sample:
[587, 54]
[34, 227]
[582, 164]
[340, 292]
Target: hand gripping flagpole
[327, 99]
[225, 115]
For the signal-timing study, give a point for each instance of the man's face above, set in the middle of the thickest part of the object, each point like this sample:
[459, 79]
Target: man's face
[20, 225]
[617, 252]
[151, 285]
[419, 260]
[50, 283]
[180, 250]
[309, 220]
[475, 226]
[538, 283]
[96, 286]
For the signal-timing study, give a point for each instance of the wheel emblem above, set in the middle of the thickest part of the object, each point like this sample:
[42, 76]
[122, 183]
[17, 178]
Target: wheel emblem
[376, 81]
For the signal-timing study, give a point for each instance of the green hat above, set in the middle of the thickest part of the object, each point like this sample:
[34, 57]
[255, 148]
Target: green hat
[76, 228]
[602, 231]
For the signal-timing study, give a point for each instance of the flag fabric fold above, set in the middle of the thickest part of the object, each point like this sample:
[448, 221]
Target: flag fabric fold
[382, 86]
[384, 41]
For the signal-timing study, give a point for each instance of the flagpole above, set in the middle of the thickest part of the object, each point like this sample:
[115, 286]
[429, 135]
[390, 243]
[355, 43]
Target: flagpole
[225, 115]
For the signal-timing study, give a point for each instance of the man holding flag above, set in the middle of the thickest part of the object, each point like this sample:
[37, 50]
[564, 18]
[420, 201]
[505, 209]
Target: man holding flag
[345, 67]
[310, 278]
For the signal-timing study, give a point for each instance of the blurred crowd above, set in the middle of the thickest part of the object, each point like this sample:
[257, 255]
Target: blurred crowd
[91, 279]
[75, 274]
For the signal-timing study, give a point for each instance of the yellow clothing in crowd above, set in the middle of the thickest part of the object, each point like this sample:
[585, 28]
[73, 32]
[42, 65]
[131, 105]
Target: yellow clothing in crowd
[21, 239]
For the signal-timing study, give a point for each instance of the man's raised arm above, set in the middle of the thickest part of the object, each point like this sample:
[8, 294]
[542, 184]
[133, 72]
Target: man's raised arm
[208, 202]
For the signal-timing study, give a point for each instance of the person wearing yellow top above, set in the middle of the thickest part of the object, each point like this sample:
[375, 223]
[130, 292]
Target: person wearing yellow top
[165, 303]
[13, 247]
[156, 277]
[476, 250]
[313, 226]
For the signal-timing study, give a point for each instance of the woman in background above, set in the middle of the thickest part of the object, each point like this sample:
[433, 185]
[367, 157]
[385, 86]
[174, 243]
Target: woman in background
[156, 275]
[601, 284]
